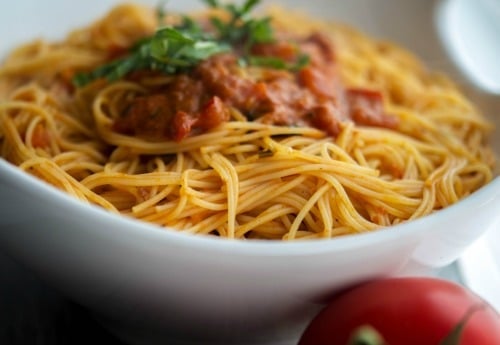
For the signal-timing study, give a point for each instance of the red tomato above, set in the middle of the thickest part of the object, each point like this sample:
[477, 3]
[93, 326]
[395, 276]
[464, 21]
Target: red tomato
[406, 311]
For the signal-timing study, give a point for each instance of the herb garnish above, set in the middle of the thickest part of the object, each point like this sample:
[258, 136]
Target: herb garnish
[241, 27]
[170, 50]
[176, 49]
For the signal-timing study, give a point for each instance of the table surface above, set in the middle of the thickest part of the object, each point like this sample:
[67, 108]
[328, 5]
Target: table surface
[32, 312]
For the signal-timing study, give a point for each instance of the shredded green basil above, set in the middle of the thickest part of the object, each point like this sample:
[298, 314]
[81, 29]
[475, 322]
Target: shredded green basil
[179, 48]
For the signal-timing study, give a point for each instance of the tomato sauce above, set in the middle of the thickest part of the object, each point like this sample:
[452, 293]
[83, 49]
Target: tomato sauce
[200, 100]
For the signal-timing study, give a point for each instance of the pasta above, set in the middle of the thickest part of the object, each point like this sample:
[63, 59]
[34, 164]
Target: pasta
[243, 179]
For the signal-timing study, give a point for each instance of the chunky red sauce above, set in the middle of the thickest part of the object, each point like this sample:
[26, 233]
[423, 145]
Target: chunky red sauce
[313, 96]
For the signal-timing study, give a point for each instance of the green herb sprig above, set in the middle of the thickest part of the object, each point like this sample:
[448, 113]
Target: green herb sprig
[169, 50]
[241, 27]
[178, 48]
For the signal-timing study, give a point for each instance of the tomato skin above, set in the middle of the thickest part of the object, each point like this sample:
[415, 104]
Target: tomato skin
[405, 311]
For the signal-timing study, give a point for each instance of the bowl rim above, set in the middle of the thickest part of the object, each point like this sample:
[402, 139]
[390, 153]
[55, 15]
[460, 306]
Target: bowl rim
[149, 231]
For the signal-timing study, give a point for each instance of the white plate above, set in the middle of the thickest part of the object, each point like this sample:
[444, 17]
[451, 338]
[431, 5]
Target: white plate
[480, 267]
[470, 30]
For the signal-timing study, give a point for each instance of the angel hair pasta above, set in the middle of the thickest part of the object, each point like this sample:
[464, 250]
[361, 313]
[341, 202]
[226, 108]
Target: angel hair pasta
[273, 127]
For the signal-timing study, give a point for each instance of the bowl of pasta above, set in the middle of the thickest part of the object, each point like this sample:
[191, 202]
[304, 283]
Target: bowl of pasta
[209, 171]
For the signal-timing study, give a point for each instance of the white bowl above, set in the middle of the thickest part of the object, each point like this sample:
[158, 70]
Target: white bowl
[155, 286]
